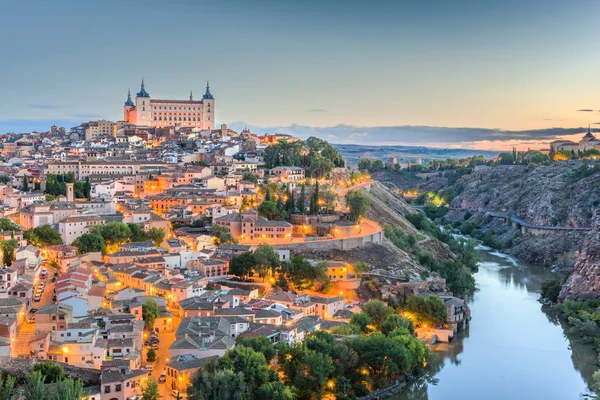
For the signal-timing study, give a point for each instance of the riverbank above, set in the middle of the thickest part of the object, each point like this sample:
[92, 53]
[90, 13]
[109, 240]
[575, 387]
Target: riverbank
[514, 348]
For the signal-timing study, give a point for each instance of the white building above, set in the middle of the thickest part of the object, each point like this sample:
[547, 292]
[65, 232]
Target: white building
[74, 226]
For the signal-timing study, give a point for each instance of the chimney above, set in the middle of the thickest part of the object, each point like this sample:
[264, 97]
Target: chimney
[70, 196]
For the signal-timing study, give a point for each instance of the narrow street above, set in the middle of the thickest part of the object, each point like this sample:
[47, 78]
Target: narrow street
[166, 339]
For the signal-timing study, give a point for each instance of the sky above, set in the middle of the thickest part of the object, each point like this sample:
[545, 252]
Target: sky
[437, 73]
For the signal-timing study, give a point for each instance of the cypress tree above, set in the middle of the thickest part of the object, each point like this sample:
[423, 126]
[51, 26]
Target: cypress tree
[300, 202]
[268, 194]
[25, 183]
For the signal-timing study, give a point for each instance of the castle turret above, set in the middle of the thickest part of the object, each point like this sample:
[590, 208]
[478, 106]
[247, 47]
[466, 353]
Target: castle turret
[209, 109]
[142, 106]
[128, 107]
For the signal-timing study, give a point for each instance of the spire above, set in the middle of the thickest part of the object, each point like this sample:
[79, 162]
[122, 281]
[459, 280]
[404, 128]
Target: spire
[129, 102]
[191, 96]
[208, 95]
[142, 92]
[589, 132]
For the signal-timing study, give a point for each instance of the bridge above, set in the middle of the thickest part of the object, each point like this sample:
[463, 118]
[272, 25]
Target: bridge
[516, 221]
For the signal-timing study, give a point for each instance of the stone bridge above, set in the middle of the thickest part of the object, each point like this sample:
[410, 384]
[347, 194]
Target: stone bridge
[518, 222]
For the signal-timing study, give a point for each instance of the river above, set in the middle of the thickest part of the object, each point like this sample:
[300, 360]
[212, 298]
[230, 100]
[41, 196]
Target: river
[514, 348]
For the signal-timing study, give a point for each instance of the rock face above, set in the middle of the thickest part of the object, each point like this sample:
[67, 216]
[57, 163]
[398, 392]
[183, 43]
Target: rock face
[560, 194]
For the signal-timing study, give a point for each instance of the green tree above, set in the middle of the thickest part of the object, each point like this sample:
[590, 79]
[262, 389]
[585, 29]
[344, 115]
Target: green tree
[302, 274]
[378, 311]
[89, 243]
[250, 177]
[7, 225]
[151, 355]
[218, 385]
[7, 387]
[113, 233]
[221, 235]
[252, 364]
[358, 203]
[150, 390]
[8, 251]
[300, 202]
[34, 386]
[157, 235]
[51, 372]
[275, 391]
[394, 322]
[551, 289]
[47, 236]
[137, 234]
[259, 344]
[67, 389]
[25, 186]
[429, 310]
[266, 260]
[362, 320]
[150, 311]
[364, 164]
[269, 210]
[242, 265]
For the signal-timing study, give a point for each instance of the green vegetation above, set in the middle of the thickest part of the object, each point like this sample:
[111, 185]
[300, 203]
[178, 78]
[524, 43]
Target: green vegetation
[150, 311]
[262, 261]
[429, 310]
[43, 236]
[584, 320]
[56, 184]
[114, 234]
[318, 367]
[151, 355]
[35, 386]
[150, 390]
[222, 235]
[7, 225]
[8, 251]
[302, 275]
[551, 289]
[358, 202]
[316, 155]
[89, 243]
[52, 372]
[457, 272]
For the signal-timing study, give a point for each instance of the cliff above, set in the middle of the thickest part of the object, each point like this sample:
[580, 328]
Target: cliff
[562, 194]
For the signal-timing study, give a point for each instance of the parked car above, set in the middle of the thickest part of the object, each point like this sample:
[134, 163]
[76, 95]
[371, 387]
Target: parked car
[162, 377]
[31, 320]
[154, 346]
[148, 368]
[56, 274]
[37, 298]
[54, 279]
[33, 311]
[176, 394]
[53, 298]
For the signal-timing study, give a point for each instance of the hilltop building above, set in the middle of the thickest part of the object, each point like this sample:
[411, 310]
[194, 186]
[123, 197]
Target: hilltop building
[587, 142]
[161, 113]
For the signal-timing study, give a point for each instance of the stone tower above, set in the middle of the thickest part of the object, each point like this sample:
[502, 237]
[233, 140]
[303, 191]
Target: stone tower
[70, 196]
[128, 106]
[142, 107]
[208, 119]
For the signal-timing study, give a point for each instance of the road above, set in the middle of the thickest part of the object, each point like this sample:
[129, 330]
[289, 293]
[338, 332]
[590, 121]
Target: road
[27, 331]
[166, 340]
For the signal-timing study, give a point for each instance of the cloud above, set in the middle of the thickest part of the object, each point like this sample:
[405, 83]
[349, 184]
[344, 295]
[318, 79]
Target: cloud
[552, 119]
[46, 106]
[586, 110]
[438, 136]
[87, 116]
[317, 110]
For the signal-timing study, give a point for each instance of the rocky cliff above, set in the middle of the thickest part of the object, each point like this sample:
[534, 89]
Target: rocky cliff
[562, 194]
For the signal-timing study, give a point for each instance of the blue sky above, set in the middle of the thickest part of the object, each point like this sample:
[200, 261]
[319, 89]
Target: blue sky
[510, 65]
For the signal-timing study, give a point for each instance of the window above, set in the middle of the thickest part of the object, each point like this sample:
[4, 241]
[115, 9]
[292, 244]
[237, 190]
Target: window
[107, 389]
[118, 387]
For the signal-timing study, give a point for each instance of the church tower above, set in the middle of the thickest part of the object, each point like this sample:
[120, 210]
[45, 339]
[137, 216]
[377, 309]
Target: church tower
[142, 107]
[208, 117]
[129, 109]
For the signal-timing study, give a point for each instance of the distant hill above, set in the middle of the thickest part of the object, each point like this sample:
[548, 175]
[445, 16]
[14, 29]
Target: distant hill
[353, 153]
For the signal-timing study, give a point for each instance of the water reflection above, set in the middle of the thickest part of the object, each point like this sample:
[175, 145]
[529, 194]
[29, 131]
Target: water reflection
[515, 348]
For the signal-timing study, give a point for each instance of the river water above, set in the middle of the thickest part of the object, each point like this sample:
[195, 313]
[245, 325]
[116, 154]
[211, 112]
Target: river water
[514, 348]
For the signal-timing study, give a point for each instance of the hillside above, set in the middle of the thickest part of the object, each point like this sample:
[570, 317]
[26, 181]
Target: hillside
[385, 258]
[562, 194]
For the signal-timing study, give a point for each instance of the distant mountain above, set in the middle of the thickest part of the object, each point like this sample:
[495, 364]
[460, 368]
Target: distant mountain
[353, 153]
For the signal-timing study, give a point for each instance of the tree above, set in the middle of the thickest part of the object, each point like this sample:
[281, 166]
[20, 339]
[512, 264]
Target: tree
[269, 210]
[358, 203]
[67, 389]
[51, 372]
[242, 265]
[302, 274]
[222, 235]
[252, 364]
[378, 311]
[362, 320]
[259, 344]
[218, 385]
[25, 186]
[150, 311]
[275, 391]
[7, 387]
[47, 236]
[394, 322]
[7, 225]
[266, 260]
[151, 355]
[89, 243]
[113, 233]
[250, 177]
[329, 197]
[150, 389]
[364, 164]
[137, 234]
[551, 289]
[429, 310]
[34, 386]
[377, 165]
[88, 188]
[300, 203]
[8, 251]
[157, 235]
